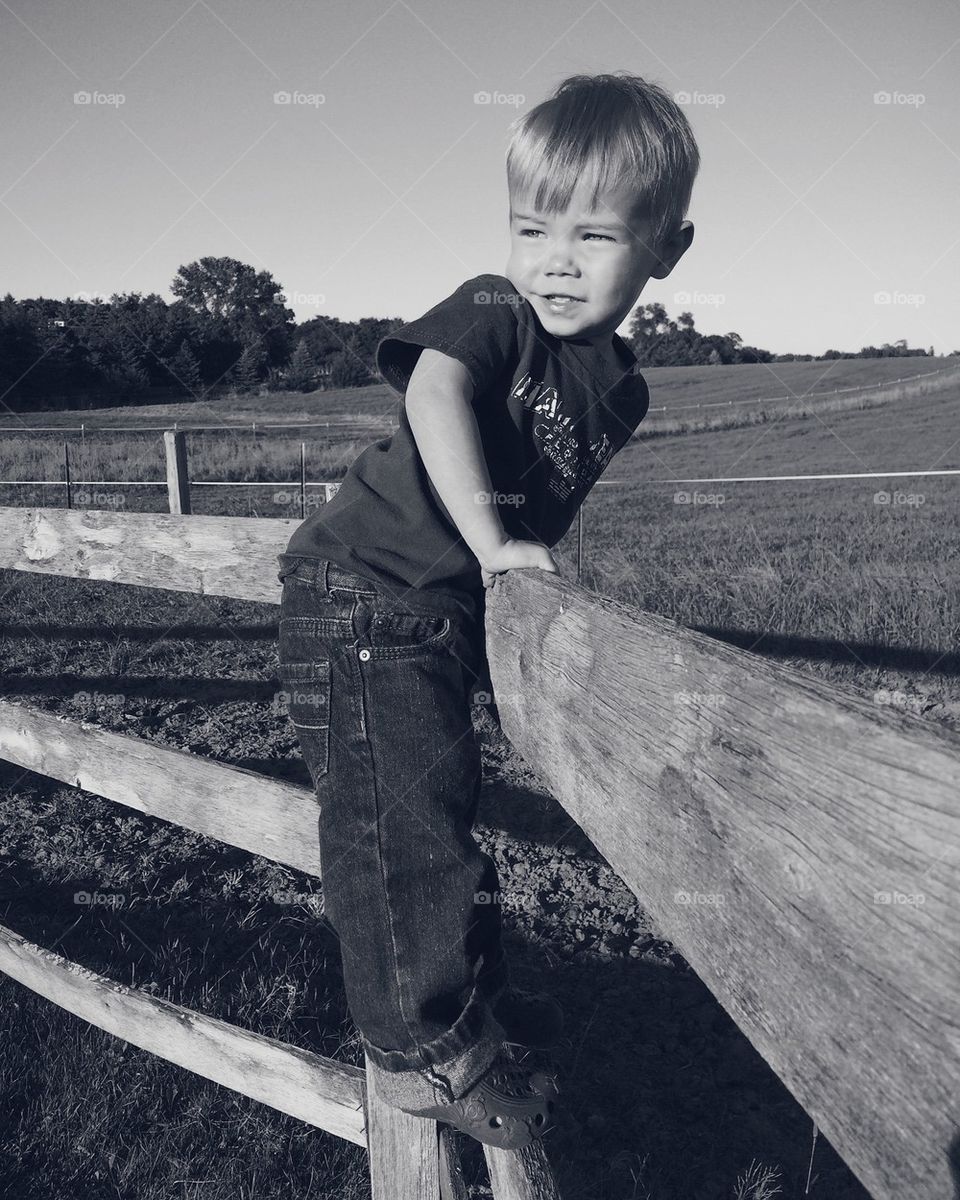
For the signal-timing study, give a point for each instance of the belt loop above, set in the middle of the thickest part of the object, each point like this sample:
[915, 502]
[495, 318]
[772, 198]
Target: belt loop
[323, 576]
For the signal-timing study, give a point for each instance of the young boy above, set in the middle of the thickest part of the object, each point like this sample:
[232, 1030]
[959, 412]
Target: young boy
[516, 392]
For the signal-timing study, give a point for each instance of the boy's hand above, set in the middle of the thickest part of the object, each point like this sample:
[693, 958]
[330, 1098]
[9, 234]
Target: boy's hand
[516, 553]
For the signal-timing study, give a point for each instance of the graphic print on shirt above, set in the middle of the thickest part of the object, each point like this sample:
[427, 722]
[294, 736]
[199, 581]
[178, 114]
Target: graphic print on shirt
[575, 461]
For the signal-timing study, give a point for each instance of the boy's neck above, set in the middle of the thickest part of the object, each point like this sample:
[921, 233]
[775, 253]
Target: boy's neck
[595, 340]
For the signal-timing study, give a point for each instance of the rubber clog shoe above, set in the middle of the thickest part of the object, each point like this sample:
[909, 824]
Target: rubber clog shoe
[530, 1019]
[507, 1107]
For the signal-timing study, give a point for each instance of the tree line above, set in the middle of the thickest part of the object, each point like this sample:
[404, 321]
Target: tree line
[229, 327]
[658, 341]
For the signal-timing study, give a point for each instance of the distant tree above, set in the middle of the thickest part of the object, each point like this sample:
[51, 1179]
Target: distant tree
[301, 375]
[185, 370]
[348, 370]
[658, 341]
[238, 303]
[132, 363]
[248, 368]
[751, 354]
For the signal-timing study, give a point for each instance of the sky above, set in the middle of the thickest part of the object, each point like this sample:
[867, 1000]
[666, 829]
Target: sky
[142, 136]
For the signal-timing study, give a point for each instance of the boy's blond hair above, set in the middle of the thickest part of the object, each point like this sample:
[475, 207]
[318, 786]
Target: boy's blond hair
[607, 131]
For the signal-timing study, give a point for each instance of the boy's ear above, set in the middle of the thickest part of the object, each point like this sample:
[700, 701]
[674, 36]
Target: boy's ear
[673, 250]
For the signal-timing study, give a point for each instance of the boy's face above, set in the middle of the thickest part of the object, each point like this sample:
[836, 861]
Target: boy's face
[604, 264]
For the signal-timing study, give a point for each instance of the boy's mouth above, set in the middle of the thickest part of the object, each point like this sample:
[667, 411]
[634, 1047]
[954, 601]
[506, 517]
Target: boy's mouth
[560, 302]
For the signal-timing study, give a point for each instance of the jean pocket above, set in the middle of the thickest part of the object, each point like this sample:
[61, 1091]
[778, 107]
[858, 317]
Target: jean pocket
[307, 694]
[396, 634]
[289, 565]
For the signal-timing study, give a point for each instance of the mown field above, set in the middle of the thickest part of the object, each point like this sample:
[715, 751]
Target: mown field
[854, 580]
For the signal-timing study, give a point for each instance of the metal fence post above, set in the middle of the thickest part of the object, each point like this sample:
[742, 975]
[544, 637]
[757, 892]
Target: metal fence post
[66, 472]
[303, 480]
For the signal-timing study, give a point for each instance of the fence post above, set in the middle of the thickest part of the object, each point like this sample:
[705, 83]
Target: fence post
[66, 471]
[178, 479]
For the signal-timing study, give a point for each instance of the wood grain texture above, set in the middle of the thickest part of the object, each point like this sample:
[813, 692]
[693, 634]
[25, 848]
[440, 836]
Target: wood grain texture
[178, 476]
[240, 807]
[521, 1174]
[797, 842]
[404, 1151]
[209, 556]
[453, 1185]
[324, 1093]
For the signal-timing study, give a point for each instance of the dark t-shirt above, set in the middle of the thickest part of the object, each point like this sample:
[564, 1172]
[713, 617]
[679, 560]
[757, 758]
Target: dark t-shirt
[551, 413]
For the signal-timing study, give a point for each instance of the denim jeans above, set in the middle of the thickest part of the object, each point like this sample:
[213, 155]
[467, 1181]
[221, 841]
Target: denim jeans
[378, 689]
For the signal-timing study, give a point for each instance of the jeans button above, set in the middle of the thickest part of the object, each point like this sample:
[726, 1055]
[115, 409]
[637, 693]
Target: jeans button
[364, 655]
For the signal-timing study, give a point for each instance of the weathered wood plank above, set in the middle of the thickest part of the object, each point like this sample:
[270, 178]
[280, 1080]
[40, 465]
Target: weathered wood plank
[453, 1186]
[404, 1151]
[240, 807]
[178, 474]
[762, 817]
[521, 1174]
[211, 556]
[324, 1093]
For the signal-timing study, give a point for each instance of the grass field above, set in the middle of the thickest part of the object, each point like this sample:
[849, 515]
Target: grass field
[820, 574]
[359, 416]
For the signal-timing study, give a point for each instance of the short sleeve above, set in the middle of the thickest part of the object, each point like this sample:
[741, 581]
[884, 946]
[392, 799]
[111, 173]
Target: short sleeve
[476, 324]
[634, 389]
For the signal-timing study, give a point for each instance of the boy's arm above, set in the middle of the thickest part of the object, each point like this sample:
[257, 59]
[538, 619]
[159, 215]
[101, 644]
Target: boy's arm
[438, 402]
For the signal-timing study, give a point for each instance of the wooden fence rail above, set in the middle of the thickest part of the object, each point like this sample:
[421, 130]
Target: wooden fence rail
[797, 843]
[781, 830]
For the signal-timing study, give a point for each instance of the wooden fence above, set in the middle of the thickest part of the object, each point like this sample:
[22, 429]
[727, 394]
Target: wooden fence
[695, 768]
